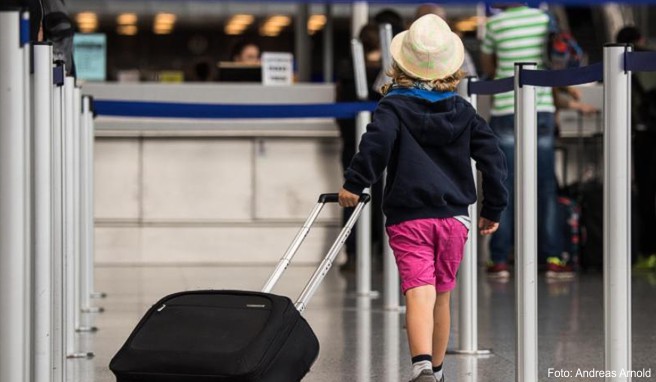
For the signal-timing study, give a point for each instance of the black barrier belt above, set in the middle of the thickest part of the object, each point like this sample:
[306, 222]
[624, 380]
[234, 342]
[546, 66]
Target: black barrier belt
[566, 77]
[640, 61]
[221, 111]
[501, 85]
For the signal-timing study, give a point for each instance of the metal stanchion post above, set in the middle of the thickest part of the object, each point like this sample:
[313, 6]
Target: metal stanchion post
[88, 139]
[328, 45]
[71, 301]
[359, 16]
[13, 324]
[392, 323]
[363, 234]
[28, 182]
[391, 289]
[468, 274]
[83, 292]
[363, 339]
[58, 336]
[617, 210]
[526, 271]
[42, 212]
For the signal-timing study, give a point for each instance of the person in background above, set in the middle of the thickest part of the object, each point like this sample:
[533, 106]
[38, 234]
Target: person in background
[643, 120]
[424, 134]
[49, 21]
[370, 37]
[392, 17]
[203, 70]
[246, 52]
[519, 34]
[431, 8]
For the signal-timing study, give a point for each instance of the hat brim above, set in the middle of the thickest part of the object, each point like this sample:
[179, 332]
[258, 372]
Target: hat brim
[421, 73]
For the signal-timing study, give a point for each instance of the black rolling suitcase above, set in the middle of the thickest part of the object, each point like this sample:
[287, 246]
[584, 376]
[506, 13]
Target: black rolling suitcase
[223, 335]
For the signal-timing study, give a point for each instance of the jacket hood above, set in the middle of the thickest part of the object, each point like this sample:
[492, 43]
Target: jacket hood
[432, 120]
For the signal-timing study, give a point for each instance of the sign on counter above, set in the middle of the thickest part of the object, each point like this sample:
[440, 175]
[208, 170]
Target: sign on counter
[90, 55]
[277, 68]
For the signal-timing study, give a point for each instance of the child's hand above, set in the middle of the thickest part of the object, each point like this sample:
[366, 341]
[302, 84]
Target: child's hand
[486, 226]
[348, 199]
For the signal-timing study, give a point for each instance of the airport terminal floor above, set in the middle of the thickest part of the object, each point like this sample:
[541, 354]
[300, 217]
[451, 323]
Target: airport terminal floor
[360, 341]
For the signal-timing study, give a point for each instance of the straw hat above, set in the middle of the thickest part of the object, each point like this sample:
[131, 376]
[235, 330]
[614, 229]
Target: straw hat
[428, 50]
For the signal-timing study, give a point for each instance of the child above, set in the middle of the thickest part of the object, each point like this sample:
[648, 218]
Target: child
[424, 134]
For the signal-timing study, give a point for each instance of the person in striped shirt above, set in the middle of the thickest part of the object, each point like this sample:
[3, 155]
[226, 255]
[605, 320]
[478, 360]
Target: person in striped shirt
[520, 34]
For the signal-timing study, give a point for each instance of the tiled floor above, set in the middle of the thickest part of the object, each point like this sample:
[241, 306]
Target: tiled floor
[362, 342]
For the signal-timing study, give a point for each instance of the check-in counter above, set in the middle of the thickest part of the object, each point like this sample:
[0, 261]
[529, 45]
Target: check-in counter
[197, 191]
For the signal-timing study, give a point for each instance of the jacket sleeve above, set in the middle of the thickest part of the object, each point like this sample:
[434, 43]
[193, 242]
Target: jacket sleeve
[491, 162]
[374, 152]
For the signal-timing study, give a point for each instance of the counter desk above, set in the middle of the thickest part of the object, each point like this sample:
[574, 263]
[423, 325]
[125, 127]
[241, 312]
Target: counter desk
[195, 191]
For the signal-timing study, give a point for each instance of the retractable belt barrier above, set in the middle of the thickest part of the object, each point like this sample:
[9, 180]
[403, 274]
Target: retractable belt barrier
[229, 111]
[640, 61]
[614, 72]
[559, 78]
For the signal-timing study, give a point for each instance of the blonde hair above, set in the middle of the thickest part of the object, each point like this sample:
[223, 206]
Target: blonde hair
[401, 78]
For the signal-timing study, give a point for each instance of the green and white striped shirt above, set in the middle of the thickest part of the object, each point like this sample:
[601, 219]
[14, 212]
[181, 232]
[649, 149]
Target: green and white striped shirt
[517, 35]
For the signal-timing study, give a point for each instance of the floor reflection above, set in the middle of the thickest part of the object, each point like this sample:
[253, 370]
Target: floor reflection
[361, 341]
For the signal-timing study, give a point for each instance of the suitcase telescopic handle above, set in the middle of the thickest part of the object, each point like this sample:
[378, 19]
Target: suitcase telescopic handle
[321, 271]
[303, 232]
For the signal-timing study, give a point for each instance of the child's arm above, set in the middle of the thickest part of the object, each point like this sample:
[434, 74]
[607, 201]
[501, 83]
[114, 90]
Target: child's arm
[374, 152]
[491, 162]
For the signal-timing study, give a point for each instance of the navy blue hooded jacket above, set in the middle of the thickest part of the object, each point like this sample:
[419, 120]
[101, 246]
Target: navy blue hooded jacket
[426, 147]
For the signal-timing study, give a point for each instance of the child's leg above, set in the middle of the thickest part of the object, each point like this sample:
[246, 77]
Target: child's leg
[414, 253]
[442, 324]
[419, 319]
[452, 236]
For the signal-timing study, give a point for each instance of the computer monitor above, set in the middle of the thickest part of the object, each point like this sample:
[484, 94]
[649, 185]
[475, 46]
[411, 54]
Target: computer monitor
[236, 72]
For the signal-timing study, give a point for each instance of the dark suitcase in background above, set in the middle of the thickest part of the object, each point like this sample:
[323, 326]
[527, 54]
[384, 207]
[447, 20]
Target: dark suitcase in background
[569, 215]
[230, 336]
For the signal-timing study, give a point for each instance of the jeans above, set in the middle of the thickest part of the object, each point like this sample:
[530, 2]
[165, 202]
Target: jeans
[549, 235]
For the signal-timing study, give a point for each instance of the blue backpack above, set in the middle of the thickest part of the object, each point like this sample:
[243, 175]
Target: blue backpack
[563, 52]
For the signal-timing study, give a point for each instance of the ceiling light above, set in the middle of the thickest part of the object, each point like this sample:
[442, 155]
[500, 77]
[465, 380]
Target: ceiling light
[467, 25]
[241, 19]
[87, 21]
[162, 30]
[126, 19]
[165, 18]
[270, 30]
[86, 16]
[274, 25]
[127, 30]
[318, 19]
[316, 23]
[279, 20]
[234, 29]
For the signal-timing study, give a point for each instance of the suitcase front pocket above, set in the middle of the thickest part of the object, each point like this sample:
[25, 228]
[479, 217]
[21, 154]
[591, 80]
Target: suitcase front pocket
[201, 329]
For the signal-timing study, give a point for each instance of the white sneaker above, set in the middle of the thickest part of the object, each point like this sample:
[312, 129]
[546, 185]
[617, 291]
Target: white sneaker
[426, 375]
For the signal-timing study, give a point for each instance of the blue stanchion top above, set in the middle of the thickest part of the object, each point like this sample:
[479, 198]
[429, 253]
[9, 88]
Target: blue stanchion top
[640, 61]
[58, 75]
[501, 85]
[565, 77]
[24, 29]
[223, 111]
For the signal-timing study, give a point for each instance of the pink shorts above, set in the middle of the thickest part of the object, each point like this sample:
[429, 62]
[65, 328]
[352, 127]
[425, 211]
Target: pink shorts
[428, 251]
